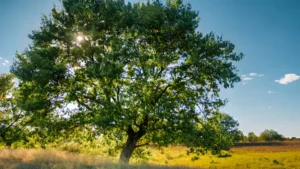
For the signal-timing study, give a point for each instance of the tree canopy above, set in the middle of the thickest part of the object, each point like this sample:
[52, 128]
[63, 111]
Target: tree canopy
[217, 132]
[141, 70]
[270, 135]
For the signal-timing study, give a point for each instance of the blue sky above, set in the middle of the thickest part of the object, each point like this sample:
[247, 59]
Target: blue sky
[266, 31]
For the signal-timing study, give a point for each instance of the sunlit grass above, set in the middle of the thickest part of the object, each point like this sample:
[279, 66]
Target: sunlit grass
[256, 157]
[51, 159]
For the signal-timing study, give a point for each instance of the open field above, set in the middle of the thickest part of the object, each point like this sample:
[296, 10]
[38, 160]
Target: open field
[283, 156]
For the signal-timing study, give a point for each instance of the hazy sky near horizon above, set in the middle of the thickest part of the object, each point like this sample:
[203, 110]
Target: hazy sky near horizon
[266, 31]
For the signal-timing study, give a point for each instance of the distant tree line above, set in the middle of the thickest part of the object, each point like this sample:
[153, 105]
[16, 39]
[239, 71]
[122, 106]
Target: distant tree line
[266, 135]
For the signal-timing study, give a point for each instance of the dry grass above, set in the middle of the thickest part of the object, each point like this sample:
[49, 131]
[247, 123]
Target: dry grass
[51, 159]
[285, 146]
[284, 156]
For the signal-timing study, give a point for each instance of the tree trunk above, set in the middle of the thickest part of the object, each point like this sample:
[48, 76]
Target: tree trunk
[133, 138]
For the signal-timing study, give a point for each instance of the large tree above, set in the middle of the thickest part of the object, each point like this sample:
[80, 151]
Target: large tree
[140, 69]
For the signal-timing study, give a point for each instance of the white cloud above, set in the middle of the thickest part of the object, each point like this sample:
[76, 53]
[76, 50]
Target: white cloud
[4, 62]
[256, 74]
[247, 78]
[288, 78]
[271, 92]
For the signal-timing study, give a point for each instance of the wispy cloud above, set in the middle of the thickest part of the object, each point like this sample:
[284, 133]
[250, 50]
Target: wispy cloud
[269, 107]
[288, 78]
[256, 74]
[3, 62]
[247, 77]
[271, 92]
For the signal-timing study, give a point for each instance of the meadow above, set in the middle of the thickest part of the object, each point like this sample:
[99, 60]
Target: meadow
[257, 156]
[284, 156]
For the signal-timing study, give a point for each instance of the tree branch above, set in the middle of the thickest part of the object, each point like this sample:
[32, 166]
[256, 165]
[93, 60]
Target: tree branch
[92, 98]
[160, 95]
[141, 145]
[83, 104]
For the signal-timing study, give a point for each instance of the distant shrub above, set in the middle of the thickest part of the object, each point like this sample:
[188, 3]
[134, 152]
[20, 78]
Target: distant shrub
[277, 162]
[271, 135]
[252, 137]
[224, 154]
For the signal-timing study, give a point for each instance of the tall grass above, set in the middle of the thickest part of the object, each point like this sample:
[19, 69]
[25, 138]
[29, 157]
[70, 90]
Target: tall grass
[284, 156]
[52, 159]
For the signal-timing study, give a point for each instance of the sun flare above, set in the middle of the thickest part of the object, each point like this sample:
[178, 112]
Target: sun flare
[79, 38]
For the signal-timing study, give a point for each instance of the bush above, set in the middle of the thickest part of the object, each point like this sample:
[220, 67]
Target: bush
[271, 135]
[224, 154]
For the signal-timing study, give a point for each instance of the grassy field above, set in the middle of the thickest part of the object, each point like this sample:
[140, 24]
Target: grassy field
[51, 159]
[285, 155]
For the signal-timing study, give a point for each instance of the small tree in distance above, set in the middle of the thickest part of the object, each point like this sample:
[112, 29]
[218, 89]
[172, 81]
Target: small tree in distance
[270, 135]
[139, 70]
[252, 137]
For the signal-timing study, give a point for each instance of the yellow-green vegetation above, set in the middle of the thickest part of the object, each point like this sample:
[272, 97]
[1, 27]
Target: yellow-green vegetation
[282, 156]
[286, 155]
[51, 159]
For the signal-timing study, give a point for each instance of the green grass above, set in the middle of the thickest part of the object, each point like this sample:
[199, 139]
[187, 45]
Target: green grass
[283, 156]
[256, 157]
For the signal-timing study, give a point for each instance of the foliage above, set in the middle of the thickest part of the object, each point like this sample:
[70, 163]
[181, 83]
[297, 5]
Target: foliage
[141, 71]
[230, 126]
[224, 154]
[270, 135]
[293, 138]
[218, 133]
[252, 137]
[12, 119]
[239, 136]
